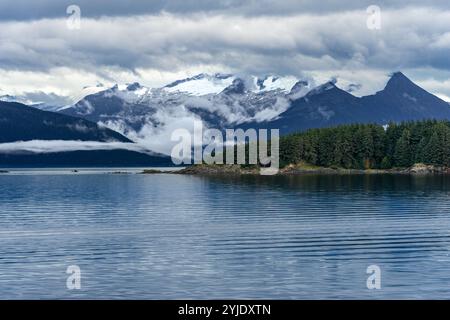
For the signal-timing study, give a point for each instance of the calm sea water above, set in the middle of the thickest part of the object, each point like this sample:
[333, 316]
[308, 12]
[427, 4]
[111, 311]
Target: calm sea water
[169, 236]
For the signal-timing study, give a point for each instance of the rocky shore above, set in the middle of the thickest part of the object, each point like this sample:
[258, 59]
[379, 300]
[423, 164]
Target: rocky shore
[420, 168]
[209, 170]
[417, 169]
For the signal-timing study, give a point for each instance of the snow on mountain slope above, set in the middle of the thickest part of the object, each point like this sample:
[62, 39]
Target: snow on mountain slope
[218, 100]
[270, 83]
[201, 84]
[86, 91]
[204, 84]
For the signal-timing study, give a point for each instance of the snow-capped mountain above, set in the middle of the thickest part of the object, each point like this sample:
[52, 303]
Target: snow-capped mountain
[231, 101]
[328, 105]
[219, 100]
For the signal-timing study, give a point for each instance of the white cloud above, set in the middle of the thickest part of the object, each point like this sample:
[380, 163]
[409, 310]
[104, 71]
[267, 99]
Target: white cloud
[51, 146]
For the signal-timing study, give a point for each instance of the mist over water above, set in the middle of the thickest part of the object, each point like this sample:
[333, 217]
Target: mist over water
[174, 236]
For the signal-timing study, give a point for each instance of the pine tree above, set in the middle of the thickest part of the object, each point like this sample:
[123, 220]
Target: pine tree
[403, 150]
[420, 151]
[343, 152]
[367, 147]
[385, 163]
[433, 150]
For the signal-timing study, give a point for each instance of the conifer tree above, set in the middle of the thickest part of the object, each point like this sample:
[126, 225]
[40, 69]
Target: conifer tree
[403, 150]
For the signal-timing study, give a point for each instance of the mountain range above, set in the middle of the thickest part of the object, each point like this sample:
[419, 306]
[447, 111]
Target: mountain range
[228, 101]
[219, 100]
[147, 116]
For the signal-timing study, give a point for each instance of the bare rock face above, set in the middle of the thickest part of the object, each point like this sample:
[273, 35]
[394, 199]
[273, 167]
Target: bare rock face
[420, 168]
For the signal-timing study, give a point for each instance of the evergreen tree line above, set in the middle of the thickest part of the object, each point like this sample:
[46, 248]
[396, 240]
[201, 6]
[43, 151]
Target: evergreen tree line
[366, 146]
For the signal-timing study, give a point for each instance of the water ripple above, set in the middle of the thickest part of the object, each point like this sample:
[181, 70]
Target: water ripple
[170, 236]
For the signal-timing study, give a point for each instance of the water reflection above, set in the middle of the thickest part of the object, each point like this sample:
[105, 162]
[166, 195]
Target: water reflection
[174, 236]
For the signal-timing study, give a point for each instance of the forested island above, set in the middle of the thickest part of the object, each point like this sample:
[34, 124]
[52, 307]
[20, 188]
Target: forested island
[407, 147]
[370, 146]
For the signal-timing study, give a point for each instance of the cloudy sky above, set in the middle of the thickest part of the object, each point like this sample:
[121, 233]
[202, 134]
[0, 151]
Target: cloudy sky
[155, 42]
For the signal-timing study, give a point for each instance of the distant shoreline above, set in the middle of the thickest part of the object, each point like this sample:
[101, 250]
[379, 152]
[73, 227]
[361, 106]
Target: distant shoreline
[237, 170]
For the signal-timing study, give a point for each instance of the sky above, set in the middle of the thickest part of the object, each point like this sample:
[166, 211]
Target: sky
[42, 50]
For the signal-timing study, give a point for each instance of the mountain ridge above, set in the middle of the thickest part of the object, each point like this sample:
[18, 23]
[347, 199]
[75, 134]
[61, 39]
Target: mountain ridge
[20, 123]
[328, 105]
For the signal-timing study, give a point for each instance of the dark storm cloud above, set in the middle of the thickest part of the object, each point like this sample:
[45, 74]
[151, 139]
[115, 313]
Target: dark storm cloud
[248, 36]
[29, 10]
[26, 10]
[276, 44]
